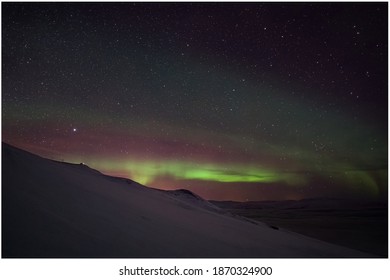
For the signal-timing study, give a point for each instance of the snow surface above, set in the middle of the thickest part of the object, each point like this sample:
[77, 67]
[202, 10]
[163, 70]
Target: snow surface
[55, 209]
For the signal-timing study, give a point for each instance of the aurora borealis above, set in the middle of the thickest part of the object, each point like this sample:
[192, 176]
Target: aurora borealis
[233, 101]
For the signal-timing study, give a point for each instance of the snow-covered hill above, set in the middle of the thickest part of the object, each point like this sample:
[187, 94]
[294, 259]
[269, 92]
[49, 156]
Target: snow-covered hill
[54, 209]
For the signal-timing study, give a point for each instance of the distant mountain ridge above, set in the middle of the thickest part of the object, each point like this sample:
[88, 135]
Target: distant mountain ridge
[358, 224]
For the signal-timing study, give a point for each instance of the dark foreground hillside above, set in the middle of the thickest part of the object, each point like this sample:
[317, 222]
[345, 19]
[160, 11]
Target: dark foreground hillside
[54, 209]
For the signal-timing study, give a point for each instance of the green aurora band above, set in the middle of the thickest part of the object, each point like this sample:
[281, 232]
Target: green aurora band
[146, 172]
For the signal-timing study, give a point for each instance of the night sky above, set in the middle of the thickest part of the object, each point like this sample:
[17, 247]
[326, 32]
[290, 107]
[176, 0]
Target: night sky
[232, 101]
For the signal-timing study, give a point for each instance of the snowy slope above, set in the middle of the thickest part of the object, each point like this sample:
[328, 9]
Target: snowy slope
[54, 209]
